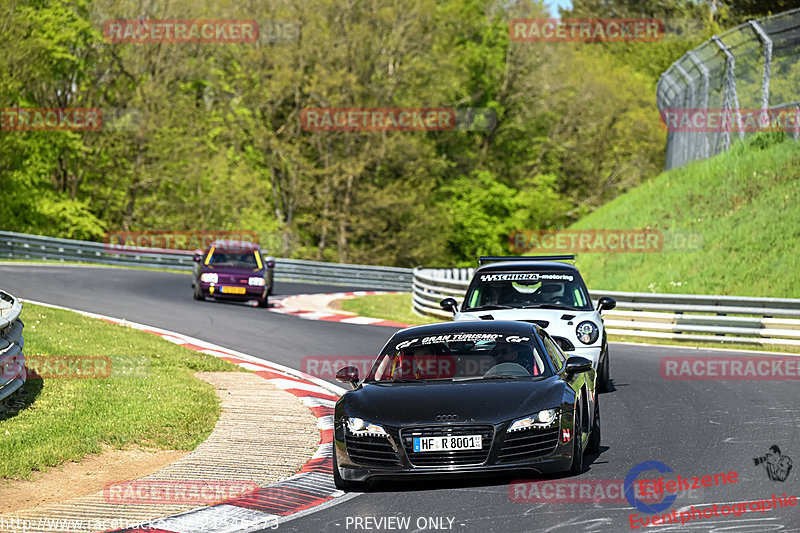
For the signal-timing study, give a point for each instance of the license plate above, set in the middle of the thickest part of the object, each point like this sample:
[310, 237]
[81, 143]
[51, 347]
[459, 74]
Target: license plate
[233, 290]
[445, 444]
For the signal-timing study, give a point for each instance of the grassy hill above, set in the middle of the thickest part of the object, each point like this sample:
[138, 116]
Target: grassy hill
[744, 204]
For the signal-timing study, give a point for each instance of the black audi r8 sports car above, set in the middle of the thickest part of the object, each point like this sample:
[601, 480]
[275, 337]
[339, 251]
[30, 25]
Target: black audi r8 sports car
[466, 397]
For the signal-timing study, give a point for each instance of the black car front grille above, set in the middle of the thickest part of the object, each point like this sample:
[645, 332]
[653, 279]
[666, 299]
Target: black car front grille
[447, 458]
[233, 279]
[375, 451]
[521, 446]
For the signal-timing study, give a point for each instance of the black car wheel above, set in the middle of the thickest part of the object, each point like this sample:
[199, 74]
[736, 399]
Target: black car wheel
[263, 302]
[269, 289]
[198, 293]
[594, 436]
[577, 438]
[604, 378]
[342, 484]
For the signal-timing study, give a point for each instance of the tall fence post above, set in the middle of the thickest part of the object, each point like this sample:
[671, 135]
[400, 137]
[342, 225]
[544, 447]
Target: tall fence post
[767, 42]
[730, 85]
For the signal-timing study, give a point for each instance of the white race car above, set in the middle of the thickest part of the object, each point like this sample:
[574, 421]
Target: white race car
[543, 291]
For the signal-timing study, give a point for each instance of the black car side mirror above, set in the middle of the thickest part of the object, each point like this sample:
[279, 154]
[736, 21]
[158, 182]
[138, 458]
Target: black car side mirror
[197, 257]
[449, 304]
[348, 374]
[576, 365]
[606, 303]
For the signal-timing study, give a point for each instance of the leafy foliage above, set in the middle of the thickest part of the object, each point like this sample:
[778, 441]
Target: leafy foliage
[208, 136]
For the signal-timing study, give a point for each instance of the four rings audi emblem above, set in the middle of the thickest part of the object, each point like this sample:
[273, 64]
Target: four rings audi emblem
[446, 418]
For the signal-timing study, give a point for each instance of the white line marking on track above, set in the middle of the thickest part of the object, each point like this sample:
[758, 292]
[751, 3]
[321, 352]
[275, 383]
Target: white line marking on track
[298, 385]
[252, 366]
[325, 422]
[360, 320]
[311, 401]
[324, 450]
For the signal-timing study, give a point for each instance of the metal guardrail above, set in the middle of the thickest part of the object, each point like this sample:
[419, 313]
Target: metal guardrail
[12, 361]
[35, 247]
[366, 276]
[732, 72]
[762, 321]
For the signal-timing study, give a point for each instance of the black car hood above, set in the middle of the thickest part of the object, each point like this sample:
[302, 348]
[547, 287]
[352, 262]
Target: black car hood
[480, 401]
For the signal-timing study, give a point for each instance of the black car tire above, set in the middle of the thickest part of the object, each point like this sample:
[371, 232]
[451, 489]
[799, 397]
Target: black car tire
[604, 378]
[264, 302]
[198, 293]
[577, 438]
[269, 289]
[342, 484]
[594, 436]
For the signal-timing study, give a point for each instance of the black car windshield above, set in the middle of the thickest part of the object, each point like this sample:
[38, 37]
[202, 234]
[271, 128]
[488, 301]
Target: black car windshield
[243, 258]
[546, 290]
[459, 360]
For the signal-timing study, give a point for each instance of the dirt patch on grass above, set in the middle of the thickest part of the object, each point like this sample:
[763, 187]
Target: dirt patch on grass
[337, 304]
[91, 475]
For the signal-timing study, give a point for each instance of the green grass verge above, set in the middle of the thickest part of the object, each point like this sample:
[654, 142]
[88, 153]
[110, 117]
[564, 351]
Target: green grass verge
[81, 263]
[151, 398]
[396, 307]
[744, 205]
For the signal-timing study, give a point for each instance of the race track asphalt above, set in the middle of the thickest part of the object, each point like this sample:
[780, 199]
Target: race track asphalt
[697, 428]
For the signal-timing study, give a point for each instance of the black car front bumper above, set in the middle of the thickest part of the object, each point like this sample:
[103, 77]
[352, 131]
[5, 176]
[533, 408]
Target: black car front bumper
[534, 450]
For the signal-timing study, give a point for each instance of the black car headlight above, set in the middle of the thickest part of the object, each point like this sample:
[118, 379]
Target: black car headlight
[543, 419]
[587, 332]
[358, 427]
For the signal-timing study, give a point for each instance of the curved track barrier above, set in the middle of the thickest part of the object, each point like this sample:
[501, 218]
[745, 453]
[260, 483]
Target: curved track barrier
[12, 361]
[35, 247]
[761, 321]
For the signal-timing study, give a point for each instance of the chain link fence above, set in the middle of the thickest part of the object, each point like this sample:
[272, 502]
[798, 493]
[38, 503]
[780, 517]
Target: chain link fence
[747, 75]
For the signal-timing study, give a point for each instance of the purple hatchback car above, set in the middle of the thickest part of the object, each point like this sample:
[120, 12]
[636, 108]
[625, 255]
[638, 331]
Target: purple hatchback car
[233, 270]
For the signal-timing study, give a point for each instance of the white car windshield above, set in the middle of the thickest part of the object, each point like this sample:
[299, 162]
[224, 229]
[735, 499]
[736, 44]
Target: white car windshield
[503, 291]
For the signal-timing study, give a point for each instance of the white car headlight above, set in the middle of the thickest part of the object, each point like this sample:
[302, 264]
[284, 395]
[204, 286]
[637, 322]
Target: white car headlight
[542, 419]
[256, 282]
[360, 428]
[209, 277]
[587, 332]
